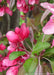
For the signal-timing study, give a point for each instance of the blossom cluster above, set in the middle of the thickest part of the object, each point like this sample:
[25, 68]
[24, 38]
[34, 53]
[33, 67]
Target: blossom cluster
[15, 39]
[23, 5]
[4, 9]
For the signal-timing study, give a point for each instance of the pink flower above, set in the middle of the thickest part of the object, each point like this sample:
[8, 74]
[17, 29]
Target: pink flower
[12, 36]
[2, 11]
[20, 34]
[37, 1]
[10, 48]
[22, 6]
[52, 43]
[7, 62]
[49, 27]
[31, 2]
[0, 1]
[26, 56]
[12, 71]
[48, 6]
[48, 73]
[2, 47]
[24, 33]
[8, 1]
[14, 45]
[8, 11]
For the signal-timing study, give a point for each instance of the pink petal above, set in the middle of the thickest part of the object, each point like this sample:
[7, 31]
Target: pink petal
[31, 2]
[12, 71]
[10, 48]
[49, 27]
[2, 11]
[8, 11]
[7, 62]
[12, 36]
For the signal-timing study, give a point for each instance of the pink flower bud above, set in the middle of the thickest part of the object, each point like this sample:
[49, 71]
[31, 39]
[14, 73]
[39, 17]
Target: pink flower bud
[12, 71]
[2, 47]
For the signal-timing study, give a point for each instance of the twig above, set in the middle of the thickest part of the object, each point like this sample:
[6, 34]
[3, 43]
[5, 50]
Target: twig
[43, 37]
[28, 46]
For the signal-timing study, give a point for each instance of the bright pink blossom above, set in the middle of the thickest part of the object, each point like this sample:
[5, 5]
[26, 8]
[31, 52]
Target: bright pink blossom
[49, 27]
[22, 6]
[12, 36]
[31, 2]
[8, 1]
[37, 1]
[2, 47]
[12, 71]
[7, 62]
[19, 35]
[48, 6]
[0, 1]
[8, 11]
[2, 11]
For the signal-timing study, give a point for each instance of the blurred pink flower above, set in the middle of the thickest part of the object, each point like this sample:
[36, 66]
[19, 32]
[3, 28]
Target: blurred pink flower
[52, 43]
[12, 71]
[48, 73]
[12, 36]
[31, 2]
[2, 11]
[49, 27]
[2, 47]
[48, 6]
[19, 35]
[22, 6]
[10, 48]
[1, 1]
[37, 1]
[7, 62]
[8, 11]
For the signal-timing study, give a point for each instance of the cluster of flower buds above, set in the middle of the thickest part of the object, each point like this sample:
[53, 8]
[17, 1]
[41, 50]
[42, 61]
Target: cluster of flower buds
[23, 5]
[15, 39]
[4, 9]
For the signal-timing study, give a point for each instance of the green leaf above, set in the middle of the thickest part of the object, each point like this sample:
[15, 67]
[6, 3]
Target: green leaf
[30, 65]
[14, 9]
[14, 55]
[47, 37]
[40, 46]
[49, 52]
[52, 63]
